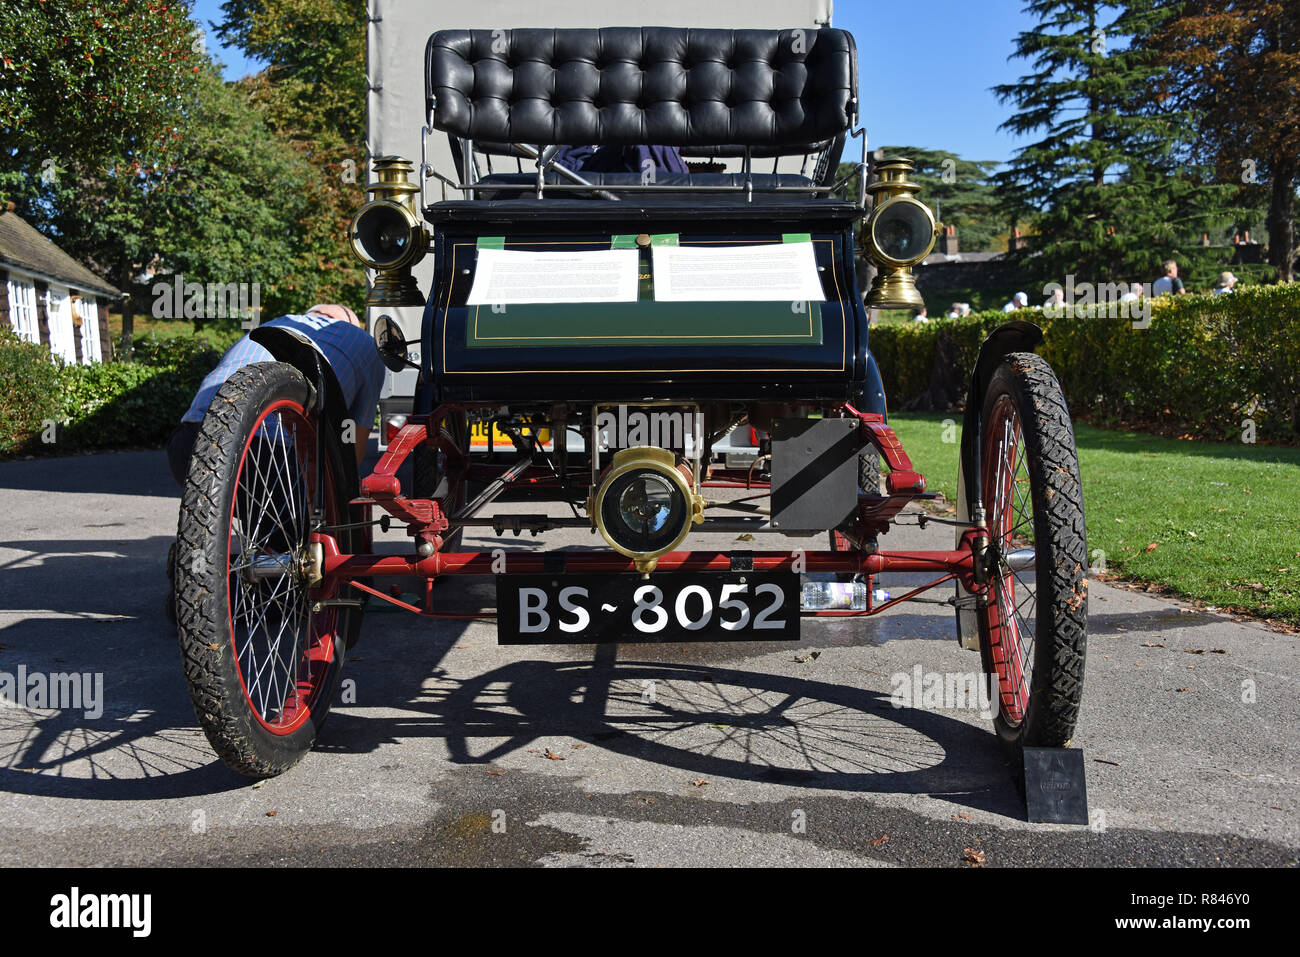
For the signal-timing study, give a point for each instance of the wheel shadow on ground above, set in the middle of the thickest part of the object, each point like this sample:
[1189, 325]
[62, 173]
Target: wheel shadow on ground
[710, 721]
[714, 719]
[95, 608]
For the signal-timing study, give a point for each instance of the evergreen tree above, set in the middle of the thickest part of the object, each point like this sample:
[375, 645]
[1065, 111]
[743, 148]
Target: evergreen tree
[1100, 185]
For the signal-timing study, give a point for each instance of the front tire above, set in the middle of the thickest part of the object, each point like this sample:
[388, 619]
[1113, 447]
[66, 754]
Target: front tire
[1033, 631]
[261, 665]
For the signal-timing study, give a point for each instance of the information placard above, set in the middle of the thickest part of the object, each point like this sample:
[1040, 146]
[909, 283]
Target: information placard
[506, 277]
[780, 271]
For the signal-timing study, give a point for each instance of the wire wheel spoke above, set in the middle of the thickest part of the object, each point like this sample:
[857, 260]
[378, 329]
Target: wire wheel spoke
[282, 649]
[1014, 591]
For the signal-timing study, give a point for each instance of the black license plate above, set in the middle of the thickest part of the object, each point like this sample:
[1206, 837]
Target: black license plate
[676, 606]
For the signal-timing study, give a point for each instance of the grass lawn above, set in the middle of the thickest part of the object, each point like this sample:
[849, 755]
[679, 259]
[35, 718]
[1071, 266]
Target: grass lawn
[1224, 518]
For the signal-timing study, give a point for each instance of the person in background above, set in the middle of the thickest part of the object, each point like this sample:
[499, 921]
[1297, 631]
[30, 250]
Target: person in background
[954, 311]
[347, 347]
[920, 315]
[1169, 284]
[1134, 293]
[1057, 300]
[965, 309]
[1227, 281]
[1019, 301]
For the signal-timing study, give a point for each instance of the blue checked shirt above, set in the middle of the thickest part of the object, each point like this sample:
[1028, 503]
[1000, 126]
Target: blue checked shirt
[350, 351]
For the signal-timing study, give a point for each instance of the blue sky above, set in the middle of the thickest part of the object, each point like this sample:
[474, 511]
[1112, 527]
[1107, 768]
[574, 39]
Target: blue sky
[925, 69]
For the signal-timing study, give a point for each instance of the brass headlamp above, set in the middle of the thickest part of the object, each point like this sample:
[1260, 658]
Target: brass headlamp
[388, 236]
[899, 233]
[645, 504]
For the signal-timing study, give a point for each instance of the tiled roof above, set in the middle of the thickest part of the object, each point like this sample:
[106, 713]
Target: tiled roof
[24, 247]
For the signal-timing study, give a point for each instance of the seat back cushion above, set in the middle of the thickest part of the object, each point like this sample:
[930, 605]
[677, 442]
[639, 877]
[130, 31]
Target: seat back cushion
[643, 85]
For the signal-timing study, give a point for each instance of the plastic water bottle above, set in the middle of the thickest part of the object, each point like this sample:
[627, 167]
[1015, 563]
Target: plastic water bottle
[822, 594]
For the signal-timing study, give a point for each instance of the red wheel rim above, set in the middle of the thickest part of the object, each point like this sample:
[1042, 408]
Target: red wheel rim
[1010, 616]
[283, 652]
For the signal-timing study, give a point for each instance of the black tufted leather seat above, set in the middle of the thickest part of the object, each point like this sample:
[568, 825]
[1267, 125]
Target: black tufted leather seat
[643, 85]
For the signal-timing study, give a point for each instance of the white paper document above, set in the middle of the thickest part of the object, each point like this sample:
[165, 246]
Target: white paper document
[736, 273]
[510, 277]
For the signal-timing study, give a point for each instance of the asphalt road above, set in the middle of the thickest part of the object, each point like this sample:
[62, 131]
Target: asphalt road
[746, 755]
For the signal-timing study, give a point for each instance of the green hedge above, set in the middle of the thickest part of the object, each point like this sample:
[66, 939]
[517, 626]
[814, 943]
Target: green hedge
[100, 406]
[30, 392]
[1203, 367]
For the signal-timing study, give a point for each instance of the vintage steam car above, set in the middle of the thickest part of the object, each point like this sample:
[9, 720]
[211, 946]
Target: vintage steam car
[648, 312]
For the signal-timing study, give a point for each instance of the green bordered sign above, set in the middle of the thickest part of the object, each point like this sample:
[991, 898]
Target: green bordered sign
[644, 322]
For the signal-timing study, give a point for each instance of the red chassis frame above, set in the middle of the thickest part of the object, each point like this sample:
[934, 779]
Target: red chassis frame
[426, 521]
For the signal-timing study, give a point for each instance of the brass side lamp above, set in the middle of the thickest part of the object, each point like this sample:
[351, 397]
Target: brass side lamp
[900, 232]
[388, 236]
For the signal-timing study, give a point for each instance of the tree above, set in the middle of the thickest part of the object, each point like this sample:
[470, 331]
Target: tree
[1236, 63]
[83, 82]
[313, 94]
[217, 204]
[1101, 185]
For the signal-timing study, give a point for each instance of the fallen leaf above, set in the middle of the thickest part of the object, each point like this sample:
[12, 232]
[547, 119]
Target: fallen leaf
[578, 747]
[804, 659]
[1193, 651]
[495, 773]
[1104, 761]
[553, 756]
[261, 783]
[973, 857]
[878, 841]
[272, 813]
[1152, 547]
[745, 538]
[1181, 690]
[963, 816]
[1152, 644]
[699, 782]
[1218, 651]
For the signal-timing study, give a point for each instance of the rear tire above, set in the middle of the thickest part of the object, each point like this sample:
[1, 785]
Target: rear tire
[261, 666]
[1033, 632]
